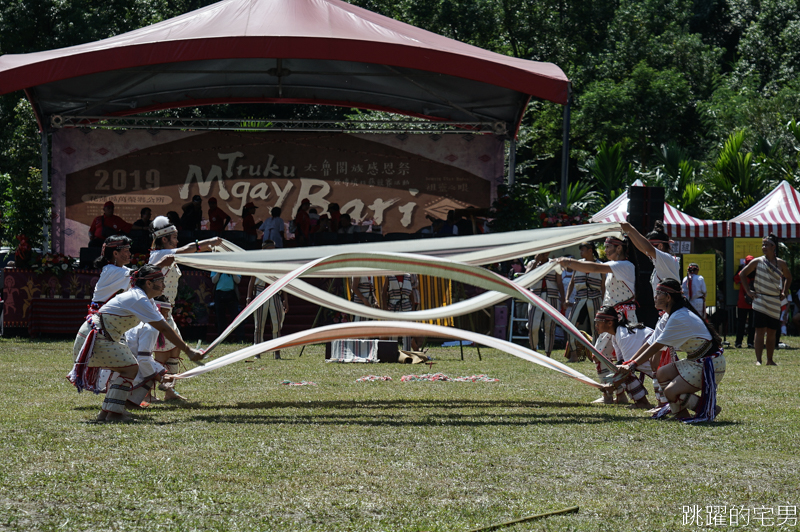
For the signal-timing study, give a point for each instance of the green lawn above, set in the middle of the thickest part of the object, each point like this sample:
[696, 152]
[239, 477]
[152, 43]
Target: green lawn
[248, 453]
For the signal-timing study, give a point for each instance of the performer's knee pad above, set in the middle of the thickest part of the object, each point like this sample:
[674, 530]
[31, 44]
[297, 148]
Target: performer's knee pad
[173, 365]
[117, 394]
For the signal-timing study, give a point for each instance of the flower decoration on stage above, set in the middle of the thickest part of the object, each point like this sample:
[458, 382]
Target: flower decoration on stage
[556, 216]
[139, 259]
[53, 263]
[183, 313]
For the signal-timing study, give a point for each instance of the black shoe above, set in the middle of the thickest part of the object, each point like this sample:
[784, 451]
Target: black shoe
[750, 346]
[738, 346]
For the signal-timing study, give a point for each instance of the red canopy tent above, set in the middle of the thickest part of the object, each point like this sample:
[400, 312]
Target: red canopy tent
[778, 213]
[283, 51]
[678, 224]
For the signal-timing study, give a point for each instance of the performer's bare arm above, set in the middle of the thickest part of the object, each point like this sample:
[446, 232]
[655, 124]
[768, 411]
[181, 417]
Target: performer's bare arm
[641, 243]
[205, 245]
[581, 266]
[787, 278]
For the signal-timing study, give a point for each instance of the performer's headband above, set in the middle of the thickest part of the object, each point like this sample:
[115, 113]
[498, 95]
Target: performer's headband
[614, 241]
[600, 316]
[121, 244]
[168, 230]
[163, 304]
[667, 289]
[655, 241]
[154, 276]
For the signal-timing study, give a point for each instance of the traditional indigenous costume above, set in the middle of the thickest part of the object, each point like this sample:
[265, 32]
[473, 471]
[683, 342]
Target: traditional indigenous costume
[620, 294]
[588, 298]
[704, 365]
[98, 345]
[665, 266]
[767, 286]
[272, 308]
[551, 293]
[142, 341]
[366, 287]
[113, 279]
[171, 280]
[400, 293]
[694, 288]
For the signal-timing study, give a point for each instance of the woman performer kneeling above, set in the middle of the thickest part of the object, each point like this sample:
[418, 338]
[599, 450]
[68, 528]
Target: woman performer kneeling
[627, 338]
[142, 341]
[682, 328]
[98, 345]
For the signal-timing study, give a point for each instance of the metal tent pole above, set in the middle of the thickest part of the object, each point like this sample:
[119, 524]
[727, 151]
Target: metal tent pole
[512, 161]
[565, 152]
[45, 185]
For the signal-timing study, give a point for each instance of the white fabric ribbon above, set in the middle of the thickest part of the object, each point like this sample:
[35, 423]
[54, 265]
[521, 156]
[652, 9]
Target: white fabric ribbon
[419, 264]
[372, 329]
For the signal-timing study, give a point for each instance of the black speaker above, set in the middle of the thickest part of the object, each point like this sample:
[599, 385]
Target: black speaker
[645, 206]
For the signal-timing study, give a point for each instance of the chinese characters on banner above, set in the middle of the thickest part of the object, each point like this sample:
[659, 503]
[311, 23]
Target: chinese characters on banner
[392, 180]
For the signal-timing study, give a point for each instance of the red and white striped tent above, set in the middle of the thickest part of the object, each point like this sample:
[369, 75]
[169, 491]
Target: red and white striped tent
[678, 224]
[778, 213]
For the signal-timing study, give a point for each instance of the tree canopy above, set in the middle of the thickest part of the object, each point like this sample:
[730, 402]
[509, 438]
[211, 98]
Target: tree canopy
[700, 96]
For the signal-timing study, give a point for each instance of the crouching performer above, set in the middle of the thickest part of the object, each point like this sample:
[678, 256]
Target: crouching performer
[98, 345]
[682, 327]
[142, 341]
[626, 338]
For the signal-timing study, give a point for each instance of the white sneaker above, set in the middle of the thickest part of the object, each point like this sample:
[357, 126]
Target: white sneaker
[781, 346]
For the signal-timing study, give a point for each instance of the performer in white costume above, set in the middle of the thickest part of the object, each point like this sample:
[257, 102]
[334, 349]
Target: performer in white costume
[620, 287]
[142, 341]
[97, 345]
[115, 276]
[694, 288]
[682, 328]
[165, 243]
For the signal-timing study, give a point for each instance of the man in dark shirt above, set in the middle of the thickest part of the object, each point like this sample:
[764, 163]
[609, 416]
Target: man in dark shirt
[249, 224]
[143, 223]
[192, 214]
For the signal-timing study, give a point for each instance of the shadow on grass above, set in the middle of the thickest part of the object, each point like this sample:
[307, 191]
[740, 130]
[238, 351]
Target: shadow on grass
[401, 413]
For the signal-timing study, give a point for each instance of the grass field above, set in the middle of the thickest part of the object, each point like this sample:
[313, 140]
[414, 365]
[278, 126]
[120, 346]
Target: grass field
[248, 453]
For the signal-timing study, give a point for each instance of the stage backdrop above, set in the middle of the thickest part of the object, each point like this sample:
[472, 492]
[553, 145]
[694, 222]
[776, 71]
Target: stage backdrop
[394, 179]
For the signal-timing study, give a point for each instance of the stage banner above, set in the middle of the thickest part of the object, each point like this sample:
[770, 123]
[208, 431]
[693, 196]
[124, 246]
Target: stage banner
[393, 180]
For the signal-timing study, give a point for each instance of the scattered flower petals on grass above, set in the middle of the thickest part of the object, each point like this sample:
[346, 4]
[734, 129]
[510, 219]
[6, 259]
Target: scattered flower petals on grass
[302, 383]
[442, 377]
[373, 378]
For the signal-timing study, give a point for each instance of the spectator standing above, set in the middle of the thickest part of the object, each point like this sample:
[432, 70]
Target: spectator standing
[192, 214]
[694, 288]
[249, 224]
[335, 214]
[218, 220]
[273, 228]
[302, 223]
[143, 223]
[226, 300]
[107, 225]
[744, 309]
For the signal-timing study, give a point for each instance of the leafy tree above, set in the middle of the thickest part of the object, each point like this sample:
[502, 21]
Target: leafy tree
[678, 174]
[611, 172]
[735, 183]
[25, 207]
